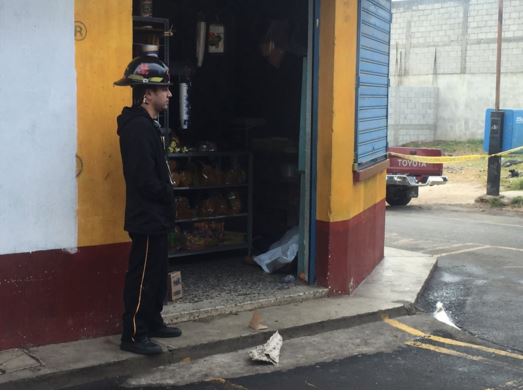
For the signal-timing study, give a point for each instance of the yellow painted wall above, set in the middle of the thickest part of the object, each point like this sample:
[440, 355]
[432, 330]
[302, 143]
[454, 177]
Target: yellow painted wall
[338, 198]
[103, 33]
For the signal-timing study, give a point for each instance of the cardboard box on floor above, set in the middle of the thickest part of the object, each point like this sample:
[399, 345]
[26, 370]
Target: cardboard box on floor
[174, 286]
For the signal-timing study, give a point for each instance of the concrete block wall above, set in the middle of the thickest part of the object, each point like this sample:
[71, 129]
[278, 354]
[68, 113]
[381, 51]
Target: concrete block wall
[451, 45]
[412, 114]
[419, 30]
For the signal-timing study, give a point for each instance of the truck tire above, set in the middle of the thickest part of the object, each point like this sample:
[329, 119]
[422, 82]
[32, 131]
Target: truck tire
[398, 196]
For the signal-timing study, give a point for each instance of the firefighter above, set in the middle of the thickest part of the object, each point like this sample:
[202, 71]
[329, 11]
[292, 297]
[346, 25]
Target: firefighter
[149, 209]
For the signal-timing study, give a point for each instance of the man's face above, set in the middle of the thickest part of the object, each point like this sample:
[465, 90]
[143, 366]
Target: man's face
[159, 98]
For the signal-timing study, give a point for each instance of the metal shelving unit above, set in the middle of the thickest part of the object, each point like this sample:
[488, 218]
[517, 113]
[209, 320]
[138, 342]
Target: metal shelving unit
[248, 216]
[210, 154]
[216, 249]
[211, 218]
[155, 25]
[161, 28]
[209, 187]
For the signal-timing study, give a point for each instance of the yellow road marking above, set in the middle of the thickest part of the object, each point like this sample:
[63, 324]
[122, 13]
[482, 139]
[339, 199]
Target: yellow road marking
[477, 347]
[403, 327]
[443, 350]
[477, 358]
[416, 332]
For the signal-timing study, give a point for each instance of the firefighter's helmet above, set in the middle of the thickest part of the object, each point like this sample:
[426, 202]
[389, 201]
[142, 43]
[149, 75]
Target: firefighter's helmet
[145, 71]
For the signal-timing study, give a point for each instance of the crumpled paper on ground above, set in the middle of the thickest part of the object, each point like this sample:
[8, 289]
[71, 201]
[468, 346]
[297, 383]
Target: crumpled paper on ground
[268, 352]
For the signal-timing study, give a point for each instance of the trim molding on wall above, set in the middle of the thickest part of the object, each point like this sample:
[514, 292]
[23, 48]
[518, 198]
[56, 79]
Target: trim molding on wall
[369, 172]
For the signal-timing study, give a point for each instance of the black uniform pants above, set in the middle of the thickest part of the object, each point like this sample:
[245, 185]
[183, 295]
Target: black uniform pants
[145, 285]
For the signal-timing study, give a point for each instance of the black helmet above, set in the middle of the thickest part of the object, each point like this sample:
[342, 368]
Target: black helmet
[145, 71]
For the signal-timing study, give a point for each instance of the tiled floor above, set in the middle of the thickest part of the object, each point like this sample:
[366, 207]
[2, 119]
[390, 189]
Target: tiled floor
[228, 282]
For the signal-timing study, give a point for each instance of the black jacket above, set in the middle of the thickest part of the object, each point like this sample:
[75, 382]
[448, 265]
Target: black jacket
[149, 205]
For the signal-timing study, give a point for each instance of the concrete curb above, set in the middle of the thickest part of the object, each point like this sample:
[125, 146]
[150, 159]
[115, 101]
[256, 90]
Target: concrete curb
[429, 277]
[78, 377]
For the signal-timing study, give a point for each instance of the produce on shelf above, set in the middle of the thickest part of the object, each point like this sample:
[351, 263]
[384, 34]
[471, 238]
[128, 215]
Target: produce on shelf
[183, 208]
[210, 230]
[235, 176]
[195, 242]
[210, 176]
[185, 178]
[202, 216]
[233, 238]
[222, 207]
[204, 235]
[176, 147]
[176, 178]
[235, 202]
[207, 208]
[213, 206]
[177, 240]
[207, 146]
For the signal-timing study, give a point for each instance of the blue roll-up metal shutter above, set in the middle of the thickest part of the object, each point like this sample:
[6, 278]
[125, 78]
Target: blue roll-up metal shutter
[372, 81]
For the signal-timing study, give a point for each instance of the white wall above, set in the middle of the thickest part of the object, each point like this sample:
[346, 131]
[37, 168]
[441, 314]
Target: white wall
[37, 125]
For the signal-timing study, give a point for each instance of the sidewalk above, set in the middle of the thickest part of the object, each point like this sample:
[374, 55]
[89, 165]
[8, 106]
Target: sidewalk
[392, 287]
[510, 199]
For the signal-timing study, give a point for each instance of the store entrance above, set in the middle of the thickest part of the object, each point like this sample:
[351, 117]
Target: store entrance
[238, 136]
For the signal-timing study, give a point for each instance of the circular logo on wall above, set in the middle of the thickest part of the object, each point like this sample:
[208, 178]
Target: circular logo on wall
[80, 31]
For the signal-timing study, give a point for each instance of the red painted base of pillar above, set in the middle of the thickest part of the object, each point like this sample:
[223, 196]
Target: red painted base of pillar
[54, 296]
[348, 251]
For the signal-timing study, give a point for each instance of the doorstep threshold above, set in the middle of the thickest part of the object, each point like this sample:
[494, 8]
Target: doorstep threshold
[175, 313]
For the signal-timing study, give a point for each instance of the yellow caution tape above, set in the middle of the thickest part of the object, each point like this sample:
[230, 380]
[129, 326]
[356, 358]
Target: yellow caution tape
[450, 159]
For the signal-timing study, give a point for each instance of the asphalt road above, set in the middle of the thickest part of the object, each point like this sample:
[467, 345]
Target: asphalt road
[478, 280]
[373, 356]
[480, 267]
[405, 368]
[434, 229]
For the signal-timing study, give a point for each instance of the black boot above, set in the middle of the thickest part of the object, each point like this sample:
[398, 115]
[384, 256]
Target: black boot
[142, 346]
[165, 332]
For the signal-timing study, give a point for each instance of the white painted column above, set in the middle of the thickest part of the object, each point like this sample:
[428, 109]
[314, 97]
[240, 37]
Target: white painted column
[37, 126]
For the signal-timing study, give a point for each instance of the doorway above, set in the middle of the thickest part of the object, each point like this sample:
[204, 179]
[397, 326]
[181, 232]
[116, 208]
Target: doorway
[249, 85]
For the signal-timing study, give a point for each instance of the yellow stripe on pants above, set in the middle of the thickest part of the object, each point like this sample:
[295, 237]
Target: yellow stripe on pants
[141, 288]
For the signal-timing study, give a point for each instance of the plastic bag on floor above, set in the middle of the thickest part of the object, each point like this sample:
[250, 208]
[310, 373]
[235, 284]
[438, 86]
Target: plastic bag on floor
[441, 315]
[280, 253]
